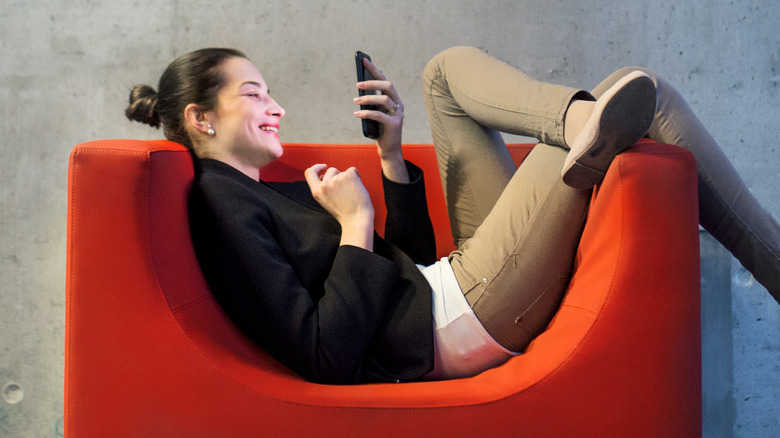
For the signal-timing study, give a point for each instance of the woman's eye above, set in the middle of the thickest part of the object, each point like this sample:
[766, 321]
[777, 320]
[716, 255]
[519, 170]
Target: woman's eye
[254, 96]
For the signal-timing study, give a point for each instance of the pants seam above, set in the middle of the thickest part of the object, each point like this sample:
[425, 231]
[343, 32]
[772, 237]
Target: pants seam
[515, 251]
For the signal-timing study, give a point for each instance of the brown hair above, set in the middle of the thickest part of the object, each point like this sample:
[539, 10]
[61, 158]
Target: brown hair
[191, 78]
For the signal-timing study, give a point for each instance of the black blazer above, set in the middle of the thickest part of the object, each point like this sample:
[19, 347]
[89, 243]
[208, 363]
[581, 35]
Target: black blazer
[333, 314]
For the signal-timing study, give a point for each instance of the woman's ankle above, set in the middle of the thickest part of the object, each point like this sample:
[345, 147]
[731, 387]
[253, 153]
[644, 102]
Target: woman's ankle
[577, 115]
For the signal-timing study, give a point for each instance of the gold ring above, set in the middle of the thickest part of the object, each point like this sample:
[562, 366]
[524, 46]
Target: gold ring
[392, 110]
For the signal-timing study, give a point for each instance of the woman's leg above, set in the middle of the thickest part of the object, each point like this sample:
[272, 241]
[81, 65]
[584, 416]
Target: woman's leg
[517, 231]
[470, 96]
[515, 268]
[727, 209]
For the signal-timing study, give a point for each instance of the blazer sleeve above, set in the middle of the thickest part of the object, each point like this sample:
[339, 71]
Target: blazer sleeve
[322, 335]
[408, 225]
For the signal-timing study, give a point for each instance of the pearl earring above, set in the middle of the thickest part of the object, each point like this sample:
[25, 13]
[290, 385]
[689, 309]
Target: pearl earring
[211, 130]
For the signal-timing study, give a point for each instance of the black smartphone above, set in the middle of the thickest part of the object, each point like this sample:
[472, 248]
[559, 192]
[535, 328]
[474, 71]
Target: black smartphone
[370, 127]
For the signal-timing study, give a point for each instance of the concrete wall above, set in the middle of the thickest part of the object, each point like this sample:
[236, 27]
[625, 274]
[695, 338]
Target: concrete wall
[66, 69]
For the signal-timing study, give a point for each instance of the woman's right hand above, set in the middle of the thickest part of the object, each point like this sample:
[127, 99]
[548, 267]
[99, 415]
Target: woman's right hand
[343, 195]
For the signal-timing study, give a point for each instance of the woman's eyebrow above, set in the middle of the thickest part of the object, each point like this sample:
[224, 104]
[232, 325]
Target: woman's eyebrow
[256, 84]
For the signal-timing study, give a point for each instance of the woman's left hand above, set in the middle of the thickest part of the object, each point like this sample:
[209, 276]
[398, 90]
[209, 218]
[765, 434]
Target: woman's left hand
[391, 117]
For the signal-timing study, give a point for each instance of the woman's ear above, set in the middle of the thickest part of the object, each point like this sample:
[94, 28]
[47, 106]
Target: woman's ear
[196, 119]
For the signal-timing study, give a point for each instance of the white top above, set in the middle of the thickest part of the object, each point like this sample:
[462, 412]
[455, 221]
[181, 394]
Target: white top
[462, 346]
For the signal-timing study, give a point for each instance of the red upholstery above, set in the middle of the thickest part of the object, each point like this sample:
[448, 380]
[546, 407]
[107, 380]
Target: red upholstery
[149, 352]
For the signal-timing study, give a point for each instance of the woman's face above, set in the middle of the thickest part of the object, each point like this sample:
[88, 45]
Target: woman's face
[246, 119]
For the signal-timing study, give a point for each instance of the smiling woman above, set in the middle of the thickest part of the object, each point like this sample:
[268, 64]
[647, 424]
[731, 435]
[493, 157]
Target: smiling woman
[242, 130]
[228, 114]
[300, 270]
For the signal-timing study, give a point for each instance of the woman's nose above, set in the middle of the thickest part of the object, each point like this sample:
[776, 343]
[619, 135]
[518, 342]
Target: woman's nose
[276, 109]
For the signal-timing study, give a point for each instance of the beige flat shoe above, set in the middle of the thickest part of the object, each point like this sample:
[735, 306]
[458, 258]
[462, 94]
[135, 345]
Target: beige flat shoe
[621, 117]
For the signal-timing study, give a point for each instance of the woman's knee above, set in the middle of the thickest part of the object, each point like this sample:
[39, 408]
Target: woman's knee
[662, 86]
[665, 91]
[456, 52]
[626, 70]
[450, 56]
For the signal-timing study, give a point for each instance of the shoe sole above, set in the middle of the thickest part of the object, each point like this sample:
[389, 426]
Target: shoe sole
[621, 117]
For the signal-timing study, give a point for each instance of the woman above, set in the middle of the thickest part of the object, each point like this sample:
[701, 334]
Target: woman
[298, 266]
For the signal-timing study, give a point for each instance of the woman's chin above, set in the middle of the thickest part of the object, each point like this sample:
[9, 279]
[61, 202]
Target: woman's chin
[269, 156]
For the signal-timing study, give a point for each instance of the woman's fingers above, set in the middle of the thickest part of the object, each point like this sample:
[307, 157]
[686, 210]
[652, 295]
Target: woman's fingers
[315, 173]
[381, 84]
[341, 193]
[330, 174]
[375, 72]
[387, 103]
[387, 98]
[315, 176]
[312, 174]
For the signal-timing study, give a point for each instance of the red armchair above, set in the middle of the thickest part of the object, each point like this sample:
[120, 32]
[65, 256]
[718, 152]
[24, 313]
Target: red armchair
[150, 353]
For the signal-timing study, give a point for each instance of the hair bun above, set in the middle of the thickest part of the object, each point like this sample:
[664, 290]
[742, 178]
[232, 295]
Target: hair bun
[143, 105]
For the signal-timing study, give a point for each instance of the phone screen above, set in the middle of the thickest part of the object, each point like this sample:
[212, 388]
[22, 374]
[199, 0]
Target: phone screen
[370, 127]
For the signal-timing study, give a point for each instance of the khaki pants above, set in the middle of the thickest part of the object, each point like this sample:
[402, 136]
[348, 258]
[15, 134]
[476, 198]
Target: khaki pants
[517, 230]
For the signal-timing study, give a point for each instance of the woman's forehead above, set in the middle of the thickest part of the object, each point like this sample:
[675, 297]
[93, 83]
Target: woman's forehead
[240, 71]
